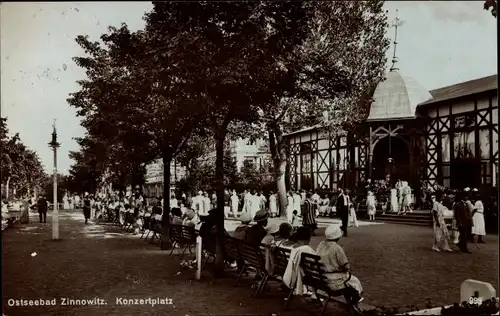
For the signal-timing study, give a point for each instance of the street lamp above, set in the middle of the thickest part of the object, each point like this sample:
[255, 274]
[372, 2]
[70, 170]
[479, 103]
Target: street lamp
[55, 215]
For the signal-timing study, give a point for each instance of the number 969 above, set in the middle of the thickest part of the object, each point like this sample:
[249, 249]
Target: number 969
[475, 300]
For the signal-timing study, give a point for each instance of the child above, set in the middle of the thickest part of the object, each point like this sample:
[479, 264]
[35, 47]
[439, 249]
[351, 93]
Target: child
[295, 220]
[352, 216]
[370, 205]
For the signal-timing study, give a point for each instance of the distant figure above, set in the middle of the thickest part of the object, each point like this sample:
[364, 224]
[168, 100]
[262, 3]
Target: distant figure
[478, 228]
[464, 221]
[273, 206]
[343, 210]
[86, 207]
[25, 215]
[42, 209]
[234, 203]
[371, 205]
[289, 207]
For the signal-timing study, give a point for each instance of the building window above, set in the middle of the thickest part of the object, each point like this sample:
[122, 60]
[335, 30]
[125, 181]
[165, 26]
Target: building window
[250, 142]
[464, 145]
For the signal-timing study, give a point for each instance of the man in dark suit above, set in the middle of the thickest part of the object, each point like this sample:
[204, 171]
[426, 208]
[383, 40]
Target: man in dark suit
[42, 209]
[464, 221]
[342, 206]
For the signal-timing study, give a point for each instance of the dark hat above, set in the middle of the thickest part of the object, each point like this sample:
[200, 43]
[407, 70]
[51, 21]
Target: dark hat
[261, 216]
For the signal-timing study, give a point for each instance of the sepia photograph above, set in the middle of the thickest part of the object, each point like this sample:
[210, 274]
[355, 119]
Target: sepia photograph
[278, 158]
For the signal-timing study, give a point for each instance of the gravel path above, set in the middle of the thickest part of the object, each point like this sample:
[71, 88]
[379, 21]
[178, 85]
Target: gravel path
[394, 263]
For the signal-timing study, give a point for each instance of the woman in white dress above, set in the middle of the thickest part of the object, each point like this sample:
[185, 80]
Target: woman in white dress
[394, 201]
[371, 205]
[273, 207]
[324, 208]
[406, 197]
[478, 227]
[289, 207]
[234, 203]
[65, 202]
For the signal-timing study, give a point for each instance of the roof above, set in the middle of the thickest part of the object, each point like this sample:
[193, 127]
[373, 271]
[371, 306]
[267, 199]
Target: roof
[463, 89]
[397, 98]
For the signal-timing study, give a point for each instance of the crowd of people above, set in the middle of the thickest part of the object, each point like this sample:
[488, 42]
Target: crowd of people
[467, 213]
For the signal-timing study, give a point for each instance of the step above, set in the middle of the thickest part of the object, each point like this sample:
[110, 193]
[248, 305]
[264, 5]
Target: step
[405, 223]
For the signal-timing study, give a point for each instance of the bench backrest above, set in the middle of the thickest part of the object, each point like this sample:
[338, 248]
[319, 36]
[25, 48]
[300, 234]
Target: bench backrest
[313, 272]
[281, 257]
[252, 255]
[188, 234]
[176, 233]
[230, 247]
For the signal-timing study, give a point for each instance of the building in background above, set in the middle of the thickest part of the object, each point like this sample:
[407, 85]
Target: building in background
[153, 186]
[448, 136]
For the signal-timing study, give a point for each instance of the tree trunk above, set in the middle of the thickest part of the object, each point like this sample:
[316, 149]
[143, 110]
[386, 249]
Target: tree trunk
[279, 162]
[219, 180]
[165, 237]
[7, 189]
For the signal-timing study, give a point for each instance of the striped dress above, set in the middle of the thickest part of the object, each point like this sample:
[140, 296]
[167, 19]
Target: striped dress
[308, 213]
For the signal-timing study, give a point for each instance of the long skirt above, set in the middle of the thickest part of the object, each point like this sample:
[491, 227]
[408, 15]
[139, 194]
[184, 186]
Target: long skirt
[338, 281]
[478, 222]
[86, 212]
[353, 219]
[441, 236]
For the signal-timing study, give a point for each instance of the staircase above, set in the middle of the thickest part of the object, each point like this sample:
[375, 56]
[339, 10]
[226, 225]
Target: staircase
[420, 218]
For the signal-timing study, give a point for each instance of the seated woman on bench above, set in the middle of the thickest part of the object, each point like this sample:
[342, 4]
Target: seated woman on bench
[293, 273]
[336, 265]
[189, 218]
[176, 216]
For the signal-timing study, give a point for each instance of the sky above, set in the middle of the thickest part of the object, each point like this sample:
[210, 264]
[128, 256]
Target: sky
[440, 43]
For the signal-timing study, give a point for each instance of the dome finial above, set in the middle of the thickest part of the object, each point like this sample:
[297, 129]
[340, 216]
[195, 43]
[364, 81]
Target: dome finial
[395, 24]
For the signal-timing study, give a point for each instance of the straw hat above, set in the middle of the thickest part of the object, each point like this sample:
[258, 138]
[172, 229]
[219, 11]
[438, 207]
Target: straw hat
[261, 216]
[467, 189]
[190, 214]
[475, 190]
[245, 217]
[333, 232]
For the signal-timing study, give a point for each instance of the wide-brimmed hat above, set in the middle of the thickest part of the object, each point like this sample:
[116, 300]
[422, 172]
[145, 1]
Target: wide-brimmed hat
[475, 190]
[273, 229]
[467, 189]
[200, 192]
[245, 217]
[333, 232]
[261, 216]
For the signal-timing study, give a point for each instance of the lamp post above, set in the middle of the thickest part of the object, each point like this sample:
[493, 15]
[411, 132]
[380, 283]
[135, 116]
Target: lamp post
[55, 214]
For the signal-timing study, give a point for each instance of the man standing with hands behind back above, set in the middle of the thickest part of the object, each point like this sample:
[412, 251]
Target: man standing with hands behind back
[342, 206]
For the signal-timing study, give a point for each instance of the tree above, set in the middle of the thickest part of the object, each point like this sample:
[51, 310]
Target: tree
[337, 57]
[21, 167]
[133, 89]
[491, 4]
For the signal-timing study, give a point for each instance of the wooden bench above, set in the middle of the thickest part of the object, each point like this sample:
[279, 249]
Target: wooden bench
[280, 259]
[314, 278]
[184, 236]
[157, 229]
[253, 257]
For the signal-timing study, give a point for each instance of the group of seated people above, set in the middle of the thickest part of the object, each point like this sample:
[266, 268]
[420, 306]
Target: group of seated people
[297, 240]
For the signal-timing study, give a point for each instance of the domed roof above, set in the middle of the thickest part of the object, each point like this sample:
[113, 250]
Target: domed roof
[397, 98]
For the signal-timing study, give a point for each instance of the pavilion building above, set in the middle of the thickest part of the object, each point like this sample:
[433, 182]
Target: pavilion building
[447, 136]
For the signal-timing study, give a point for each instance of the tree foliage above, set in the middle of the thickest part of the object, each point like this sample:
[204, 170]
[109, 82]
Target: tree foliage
[21, 166]
[491, 4]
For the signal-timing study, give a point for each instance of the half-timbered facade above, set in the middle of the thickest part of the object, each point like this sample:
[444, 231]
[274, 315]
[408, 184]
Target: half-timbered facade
[448, 136]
